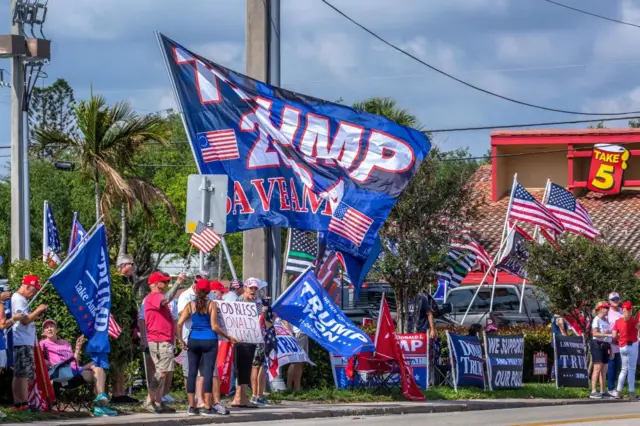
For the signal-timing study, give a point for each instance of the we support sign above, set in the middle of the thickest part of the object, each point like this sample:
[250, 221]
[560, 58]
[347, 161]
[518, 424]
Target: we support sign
[608, 164]
[505, 361]
[466, 353]
[240, 320]
[570, 362]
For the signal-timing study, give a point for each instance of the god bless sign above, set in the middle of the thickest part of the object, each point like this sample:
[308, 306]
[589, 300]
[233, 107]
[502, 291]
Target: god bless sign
[608, 164]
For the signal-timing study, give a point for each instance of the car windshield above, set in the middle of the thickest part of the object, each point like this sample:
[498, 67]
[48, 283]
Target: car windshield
[505, 299]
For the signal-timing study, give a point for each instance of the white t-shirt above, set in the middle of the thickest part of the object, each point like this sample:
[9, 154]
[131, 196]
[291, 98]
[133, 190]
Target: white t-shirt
[23, 335]
[603, 327]
[230, 297]
[188, 296]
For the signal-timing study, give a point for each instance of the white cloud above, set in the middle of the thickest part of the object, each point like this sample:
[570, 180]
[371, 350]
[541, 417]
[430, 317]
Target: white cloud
[436, 52]
[620, 42]
[334, 52]
[627, 101]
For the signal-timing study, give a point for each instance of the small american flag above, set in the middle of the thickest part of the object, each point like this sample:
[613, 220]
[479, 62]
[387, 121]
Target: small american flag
[350, 223]
[568, 210]
[114, 328]
[204, 238]
[527, 209]
[218, 145]
[51, 237]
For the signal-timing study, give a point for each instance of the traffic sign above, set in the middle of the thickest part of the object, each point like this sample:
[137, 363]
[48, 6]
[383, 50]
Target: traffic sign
[207, 202]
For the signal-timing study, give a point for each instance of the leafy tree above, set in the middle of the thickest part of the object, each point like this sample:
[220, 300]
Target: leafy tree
[52, 107]
[387, 107]
[581, 273]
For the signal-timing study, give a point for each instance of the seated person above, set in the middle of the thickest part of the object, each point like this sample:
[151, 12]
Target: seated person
[56, 351]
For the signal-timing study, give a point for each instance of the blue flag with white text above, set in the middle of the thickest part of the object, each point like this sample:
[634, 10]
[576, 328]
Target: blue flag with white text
[84, 284]
[306, 305]
[292, 160]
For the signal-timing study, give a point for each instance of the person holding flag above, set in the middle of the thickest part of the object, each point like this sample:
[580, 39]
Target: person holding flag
[24, 338]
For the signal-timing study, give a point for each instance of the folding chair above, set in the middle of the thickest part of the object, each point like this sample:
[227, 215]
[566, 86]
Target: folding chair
[376, 373]
[440, 367]
[74, 393]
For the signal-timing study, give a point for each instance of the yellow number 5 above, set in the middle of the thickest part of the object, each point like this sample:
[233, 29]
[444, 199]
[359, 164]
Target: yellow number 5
[604, 178]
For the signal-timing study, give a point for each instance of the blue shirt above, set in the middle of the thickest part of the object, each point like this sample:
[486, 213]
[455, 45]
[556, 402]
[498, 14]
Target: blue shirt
[201, 327]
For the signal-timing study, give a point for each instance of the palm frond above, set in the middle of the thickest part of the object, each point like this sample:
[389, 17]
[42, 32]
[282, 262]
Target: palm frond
[147, 194]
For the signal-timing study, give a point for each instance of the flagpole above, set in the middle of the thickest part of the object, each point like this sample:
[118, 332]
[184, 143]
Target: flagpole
[45, 234]
[64, 262]
[486, 274]
[228, 256]
[283, 280]
[73, 225]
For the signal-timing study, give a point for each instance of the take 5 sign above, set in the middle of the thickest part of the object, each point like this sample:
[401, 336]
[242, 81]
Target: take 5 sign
[292, 160]
[608, 164]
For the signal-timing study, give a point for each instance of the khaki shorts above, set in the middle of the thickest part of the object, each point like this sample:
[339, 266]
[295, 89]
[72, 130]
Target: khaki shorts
[162, 356]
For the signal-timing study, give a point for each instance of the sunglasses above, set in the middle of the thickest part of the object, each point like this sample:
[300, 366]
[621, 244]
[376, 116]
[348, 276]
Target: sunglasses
[615, 299]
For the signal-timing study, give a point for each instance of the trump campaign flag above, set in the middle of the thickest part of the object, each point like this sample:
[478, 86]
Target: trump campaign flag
[306, 305]
[84, 284]
[293, 160]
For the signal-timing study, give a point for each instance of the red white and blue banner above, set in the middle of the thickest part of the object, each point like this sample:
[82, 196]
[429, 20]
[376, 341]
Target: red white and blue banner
[466, 360]
[415, 348]
[293, 160]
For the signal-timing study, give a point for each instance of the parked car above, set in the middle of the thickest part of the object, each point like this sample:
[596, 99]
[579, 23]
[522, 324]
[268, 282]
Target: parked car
[506, 305]
[368, 304]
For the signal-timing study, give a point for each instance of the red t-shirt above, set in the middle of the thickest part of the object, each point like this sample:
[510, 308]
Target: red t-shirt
[158, 319]
[627, 331]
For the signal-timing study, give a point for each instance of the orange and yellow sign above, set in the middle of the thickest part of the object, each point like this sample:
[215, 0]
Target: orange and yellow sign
[608, 164]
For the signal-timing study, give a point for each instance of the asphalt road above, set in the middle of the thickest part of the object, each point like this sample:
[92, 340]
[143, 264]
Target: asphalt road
[600, 414]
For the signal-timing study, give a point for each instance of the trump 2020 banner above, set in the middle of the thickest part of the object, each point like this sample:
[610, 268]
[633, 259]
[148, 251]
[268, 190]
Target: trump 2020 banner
[466, 354]
[505, 361]
[289, 351]
[84, 284]
[415, 350]
[608, 163]
[307, 305]
[570, 362]
[240, 320]
[292, 160]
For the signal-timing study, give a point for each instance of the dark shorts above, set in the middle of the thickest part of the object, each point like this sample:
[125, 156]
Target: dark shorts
[600, 352]
[23, 362]
[258, 356]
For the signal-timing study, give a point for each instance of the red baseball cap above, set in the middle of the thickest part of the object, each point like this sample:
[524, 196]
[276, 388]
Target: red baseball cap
[218, 286]
[31, 281]
[627, 305]
[158, 277]
[203, 284]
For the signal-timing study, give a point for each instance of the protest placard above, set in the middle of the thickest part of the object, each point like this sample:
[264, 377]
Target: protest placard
[505, 360]
[240, 320]
[289, 351]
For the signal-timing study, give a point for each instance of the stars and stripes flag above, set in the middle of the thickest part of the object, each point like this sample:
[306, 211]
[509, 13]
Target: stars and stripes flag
[302, 251]
[218, 145]
[114, 329]
[329, 277]
[468, 243]
[569, 212]
[459, 263]
[204, 238]
[77, 233]
[527, 209]
[50, 238]
[350, 223]
[270, 343]
[41, 394]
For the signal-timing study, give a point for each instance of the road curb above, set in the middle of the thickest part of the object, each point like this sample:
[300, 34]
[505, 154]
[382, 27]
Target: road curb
[349, 410]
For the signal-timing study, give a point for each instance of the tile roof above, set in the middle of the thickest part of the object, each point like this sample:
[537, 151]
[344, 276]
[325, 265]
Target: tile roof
[617, 217]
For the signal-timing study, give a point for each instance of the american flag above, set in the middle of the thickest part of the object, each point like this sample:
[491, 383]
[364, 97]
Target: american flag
[459, 263]
[527, 209]
[51, 237]
[468, 243]
[204, 238]
[568, 210]
[329, 277]
[218, 145]
[114, 328]
[350, 223]
[270, 343]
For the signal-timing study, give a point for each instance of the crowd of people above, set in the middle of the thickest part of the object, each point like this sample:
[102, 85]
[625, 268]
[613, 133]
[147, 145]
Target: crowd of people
[168, 321]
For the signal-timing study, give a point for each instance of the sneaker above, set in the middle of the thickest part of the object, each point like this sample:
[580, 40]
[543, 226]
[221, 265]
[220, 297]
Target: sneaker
[108, 411]
[20, 408]
[261, 400]
[168, 399]
[193, 411]
[166, 410]
[208, 412]
[595, 395]
[101, 399]
[609, 395]
[151, 407]
[220, 409]
[99, 412]
[124, 399]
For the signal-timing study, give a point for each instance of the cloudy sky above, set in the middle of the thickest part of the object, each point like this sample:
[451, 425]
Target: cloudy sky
[525, 49]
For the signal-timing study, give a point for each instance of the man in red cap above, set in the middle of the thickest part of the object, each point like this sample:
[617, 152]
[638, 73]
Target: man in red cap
[626, 331]
[161, 336]
[24, 337]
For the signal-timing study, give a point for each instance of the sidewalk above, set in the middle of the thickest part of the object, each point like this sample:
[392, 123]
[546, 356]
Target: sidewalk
[305, 410]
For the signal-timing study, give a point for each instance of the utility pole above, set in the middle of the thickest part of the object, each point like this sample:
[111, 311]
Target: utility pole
[18, 213]
[262, 248]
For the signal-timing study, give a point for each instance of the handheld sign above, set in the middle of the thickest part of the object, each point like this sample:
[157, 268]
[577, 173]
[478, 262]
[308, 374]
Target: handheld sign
[570, 362]
[505, 361]
[240, 320]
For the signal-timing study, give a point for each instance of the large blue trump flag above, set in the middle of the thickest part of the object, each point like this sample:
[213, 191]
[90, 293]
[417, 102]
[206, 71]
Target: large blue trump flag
[84, 284]
[306, 305]
[292, 160]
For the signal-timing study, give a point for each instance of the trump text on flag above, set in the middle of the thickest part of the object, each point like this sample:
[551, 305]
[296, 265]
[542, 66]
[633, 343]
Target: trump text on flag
[608, 163]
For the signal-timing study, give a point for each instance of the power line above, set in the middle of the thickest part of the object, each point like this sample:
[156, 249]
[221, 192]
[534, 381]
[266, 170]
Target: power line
[485, 91]
[592, 14]
[515, 126]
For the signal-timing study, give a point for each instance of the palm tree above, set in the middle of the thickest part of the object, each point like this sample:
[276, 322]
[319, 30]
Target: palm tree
[106, 144]
[388, 108]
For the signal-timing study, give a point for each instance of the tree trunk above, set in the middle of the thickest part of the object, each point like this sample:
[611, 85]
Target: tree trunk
[96, 190]
[400, 318]
[123, 230]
